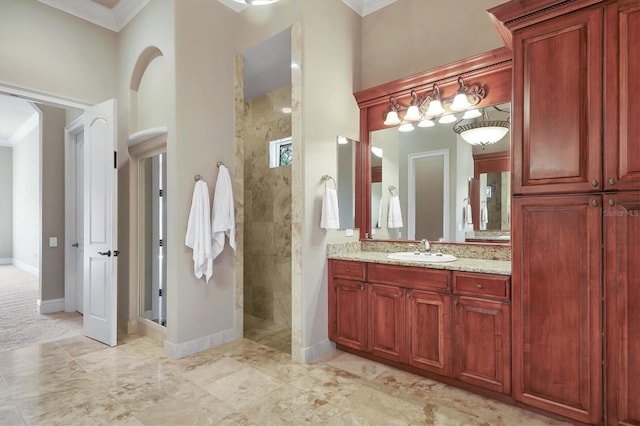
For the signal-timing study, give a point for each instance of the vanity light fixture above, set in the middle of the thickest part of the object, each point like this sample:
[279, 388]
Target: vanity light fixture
[432, 106]
[484, 132]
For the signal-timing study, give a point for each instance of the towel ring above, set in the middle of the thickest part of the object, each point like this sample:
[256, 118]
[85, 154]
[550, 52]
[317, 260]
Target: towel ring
[197, 178]
[219, 163]
[325, 178]
[391, 189]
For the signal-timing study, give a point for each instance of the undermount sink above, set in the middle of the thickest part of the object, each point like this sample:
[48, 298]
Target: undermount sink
[422, 257]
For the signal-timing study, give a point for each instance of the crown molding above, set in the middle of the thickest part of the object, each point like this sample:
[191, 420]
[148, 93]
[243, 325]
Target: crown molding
[112, 19]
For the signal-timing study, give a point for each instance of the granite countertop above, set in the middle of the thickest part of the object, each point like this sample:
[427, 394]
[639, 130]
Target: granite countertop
[499, 267]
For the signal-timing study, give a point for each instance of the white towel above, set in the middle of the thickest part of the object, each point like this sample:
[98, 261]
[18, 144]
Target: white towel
[484, 214]
[330, 215]
[223, 220]
[468, 215]
[379, 223]
[394, 218]
[198, 235]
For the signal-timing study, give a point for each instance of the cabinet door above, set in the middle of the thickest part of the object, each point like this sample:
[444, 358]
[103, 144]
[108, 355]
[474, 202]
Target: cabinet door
[429, 331]
[557, 105]
[350, 314]
[622, 274]
[622, 68]
[482, 343]
[386, 322]
[557, 296]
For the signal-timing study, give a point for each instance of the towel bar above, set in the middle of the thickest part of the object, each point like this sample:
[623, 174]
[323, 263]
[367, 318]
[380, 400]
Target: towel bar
[325, 178]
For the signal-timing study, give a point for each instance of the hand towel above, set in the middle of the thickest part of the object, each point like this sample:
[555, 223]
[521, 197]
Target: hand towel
[198, 235]
[484, 214]
[223, 222]
[394, 218]
[379, 222]
[330, 215]
[469, 216]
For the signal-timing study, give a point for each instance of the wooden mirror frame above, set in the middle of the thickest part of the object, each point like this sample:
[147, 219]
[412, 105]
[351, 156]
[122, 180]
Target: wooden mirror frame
[491, 70]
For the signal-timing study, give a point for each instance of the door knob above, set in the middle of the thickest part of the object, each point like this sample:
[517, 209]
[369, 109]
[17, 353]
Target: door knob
[75, 245]
[105, 253]
[116, 253]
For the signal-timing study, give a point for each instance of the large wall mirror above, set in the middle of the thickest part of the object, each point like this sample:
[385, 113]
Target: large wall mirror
[427, 183]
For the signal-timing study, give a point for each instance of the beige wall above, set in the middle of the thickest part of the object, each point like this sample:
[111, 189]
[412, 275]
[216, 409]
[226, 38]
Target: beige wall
[410, 36]
[26, 200]
[50, 51]
[153, 26]
[52, 213]
[6, 203]
[267, 213]
[203, 313]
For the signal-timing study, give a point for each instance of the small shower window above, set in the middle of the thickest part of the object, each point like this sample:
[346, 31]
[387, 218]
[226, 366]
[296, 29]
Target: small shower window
[280, 152]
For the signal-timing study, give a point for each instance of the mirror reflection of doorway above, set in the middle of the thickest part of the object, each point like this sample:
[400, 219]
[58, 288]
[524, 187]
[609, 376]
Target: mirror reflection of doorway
[428, 197]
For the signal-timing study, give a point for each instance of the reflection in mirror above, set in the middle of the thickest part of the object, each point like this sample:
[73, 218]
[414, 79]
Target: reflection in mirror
[346, 181]
[152, 207]
[430, 170]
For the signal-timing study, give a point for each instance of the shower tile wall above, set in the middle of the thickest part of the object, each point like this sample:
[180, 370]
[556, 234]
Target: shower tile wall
[267, 238]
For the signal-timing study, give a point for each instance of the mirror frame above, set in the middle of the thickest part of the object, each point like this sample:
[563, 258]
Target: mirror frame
[491, 70]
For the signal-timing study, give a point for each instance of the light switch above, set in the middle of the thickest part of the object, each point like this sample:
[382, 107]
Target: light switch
[53, 241]
[349, 232]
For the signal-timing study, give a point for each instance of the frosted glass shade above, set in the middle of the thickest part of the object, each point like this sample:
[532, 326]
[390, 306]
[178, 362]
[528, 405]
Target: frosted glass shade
[483, 133]
[256, 2]
[446, 119]
[426, 123]
[392, 118]
[406, 127]
[435, 108]
[472, 113]
[413, 114]
[460, 103]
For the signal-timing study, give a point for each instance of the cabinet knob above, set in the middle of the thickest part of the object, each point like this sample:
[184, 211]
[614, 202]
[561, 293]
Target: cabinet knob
[612, 181]
[455, 303]
[348, 269]
[594, 203]
[400, 294]
[594, 182]
[479, 286]
[611, 202]
[361, 287]
[408, 295]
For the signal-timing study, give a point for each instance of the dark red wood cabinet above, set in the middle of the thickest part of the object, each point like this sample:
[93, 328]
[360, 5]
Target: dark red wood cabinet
[557, 303]
[415, 317]
[576, 179]
[622, 278]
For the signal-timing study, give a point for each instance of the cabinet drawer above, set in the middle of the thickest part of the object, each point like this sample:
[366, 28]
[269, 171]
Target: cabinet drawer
[409, 277]
[349, 270]
[483, 285]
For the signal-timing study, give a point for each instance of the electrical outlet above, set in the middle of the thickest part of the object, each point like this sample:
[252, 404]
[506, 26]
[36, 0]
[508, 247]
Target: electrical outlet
[53, 241]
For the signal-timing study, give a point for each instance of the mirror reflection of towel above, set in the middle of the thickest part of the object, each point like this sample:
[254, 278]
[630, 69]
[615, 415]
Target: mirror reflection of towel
[395, 214]
[469, 216]
[484, 214]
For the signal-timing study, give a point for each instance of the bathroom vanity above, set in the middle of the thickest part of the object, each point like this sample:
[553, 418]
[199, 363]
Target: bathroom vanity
[447, 321]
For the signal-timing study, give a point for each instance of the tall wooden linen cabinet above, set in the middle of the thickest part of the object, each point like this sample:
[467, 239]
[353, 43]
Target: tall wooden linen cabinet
[576, 206]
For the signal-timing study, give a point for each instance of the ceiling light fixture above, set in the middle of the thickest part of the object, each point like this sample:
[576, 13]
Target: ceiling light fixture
[483, 133]
[433, 105]
[255, 2]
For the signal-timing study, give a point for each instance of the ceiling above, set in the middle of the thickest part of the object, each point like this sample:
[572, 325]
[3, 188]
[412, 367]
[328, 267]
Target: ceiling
[266, 66]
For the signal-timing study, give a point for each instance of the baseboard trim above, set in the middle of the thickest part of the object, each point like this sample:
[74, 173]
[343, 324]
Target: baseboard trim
[50, 306]
[26, 267]
[6, 260]
[315, 352]
[181, 350]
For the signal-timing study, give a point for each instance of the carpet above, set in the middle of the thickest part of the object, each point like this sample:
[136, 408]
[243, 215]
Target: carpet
[20, 323]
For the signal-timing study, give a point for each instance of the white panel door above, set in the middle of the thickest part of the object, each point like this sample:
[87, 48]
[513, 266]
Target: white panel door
[79, 147]
[100, 227]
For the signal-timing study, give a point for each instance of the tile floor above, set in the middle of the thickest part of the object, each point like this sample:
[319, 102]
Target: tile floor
[77, 381]
[275, 336]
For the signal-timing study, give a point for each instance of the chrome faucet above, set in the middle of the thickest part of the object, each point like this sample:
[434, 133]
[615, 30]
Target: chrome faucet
[427, 246]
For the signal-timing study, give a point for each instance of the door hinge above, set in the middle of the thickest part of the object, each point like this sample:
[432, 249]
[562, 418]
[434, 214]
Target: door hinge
[160, 192]
[160, 292]
[115, 159]
[160, 243]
